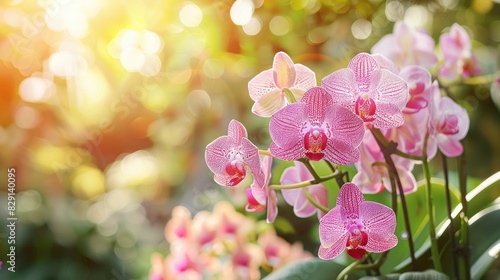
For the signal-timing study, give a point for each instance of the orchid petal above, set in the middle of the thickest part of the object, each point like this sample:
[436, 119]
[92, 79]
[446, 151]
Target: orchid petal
[215, 153]
[285, 125]
[316, 100]
[272, 206]
[349, 198]
[377, 218]
[341, 153]
[393, 89]
[341, 85]
[388, 115]
[332, 229]
[236, 131]
[251, 158]
[269, 103]
[345, 126]
[380, 243]
[283, 70]
[363, 66]
[328, 253]
[261, 84]
[305, 79]
[449, 147]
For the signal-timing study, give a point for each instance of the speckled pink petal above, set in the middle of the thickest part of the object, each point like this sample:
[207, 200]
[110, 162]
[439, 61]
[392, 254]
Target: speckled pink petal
[332, 229]
[261, 84]
[385, 63]
[283, 70]
[272, 206]
[393, 89]
[377, 218]
[388, 115]
[305, 79]
[349, 198]
[316, 100]
[236, 131]
[341, 153]
[269, 103]
[363, 66]
[328, 253]
[295, 152]
[215, 153]
[378, 243]
[285, 125]
[345, 126]
[446, 104]
[251, 158]
[341, 84]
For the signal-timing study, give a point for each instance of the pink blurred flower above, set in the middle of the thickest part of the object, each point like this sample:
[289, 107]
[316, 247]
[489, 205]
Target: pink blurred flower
[373, 178]
[230, 156]
[296, 197]
[356, 225]
[316, 128]
[407, 46]
[260, 196]
[376, 95]
[178, 227]
[458, 56]
[448, 124]
[267, 88]
[278, 252]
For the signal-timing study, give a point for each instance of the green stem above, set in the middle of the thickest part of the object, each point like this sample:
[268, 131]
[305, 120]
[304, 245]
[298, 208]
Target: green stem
[265, 153]
[454, 248]
[289, 95]
[464, 232]
[357, 265]
[311, 169]
[306, 183]
[430, 210]
[380, 137]
[339, 179]
[387, 151]
[314, 202]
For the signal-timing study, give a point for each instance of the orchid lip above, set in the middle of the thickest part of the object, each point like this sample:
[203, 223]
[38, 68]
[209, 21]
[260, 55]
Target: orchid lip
[365, 107]
[315, 142]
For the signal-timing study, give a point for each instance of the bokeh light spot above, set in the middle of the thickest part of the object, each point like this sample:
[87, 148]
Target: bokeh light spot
[198, 102]
[394, 11]
[416, 16]
[213, 68]
[279, 25]
[88, 182]
[241, 12]
[150, 65]
[35, 89]
[361, 29]
[253, 27]
[27, 117]
[191, 15]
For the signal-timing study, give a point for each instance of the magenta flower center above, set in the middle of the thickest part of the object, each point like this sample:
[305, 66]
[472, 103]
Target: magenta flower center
[315, 142]
[236, 169]
[365, 108]
[181, 231]
[357, 239]
[448, 124]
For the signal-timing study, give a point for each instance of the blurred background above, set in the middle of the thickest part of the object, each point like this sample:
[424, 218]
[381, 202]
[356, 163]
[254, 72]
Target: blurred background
[106, 108]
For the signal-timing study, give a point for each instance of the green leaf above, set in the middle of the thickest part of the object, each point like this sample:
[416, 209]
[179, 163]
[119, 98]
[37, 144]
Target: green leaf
[484, 239]
[316, 269]
[426, 275]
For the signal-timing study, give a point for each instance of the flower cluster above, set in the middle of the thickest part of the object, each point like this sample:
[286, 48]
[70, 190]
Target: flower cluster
[222, 244]
[383, 113]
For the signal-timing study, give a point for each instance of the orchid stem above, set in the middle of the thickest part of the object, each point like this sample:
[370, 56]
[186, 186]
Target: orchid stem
[305, 183]
[314, 202]
[430, 210]
[379, 136]
[388, 149]
[265, 153]
[358, 266]
[311, 169]
[289, 95]
[454, 248]
[464, 232]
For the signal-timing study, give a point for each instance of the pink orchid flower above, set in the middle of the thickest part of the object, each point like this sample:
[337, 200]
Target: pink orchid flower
[260, 196]
[373, 178]
[296, 197]
[267, 88]
[356, 225]
[418, 80]
[407, 46]
[376, 95]
[458, 56]
[230, 156]
[448, 124]
[316, 128]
